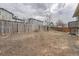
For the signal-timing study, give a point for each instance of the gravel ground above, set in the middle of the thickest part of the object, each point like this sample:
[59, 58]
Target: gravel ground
[52, 43]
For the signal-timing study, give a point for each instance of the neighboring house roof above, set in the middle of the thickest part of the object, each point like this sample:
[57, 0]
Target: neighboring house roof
[7, 11]
[35, 19]
[14, 17]
[76, 13]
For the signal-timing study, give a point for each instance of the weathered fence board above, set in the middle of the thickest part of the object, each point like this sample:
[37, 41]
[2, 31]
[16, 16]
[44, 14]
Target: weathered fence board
[20, 27]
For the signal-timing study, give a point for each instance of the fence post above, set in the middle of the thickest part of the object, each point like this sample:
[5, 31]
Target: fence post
[2, 30]
[24, 28]
[17, 26]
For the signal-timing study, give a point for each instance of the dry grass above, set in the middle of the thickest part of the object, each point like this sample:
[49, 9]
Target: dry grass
[37, 43]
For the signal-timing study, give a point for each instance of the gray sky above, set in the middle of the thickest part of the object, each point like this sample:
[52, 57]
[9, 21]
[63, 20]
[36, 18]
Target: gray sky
[57, 11]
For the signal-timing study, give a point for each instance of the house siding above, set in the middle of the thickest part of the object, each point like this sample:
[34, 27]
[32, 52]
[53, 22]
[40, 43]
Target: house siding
[5, 15]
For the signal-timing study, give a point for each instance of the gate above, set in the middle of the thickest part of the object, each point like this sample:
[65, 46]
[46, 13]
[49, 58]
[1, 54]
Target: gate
[74, 27]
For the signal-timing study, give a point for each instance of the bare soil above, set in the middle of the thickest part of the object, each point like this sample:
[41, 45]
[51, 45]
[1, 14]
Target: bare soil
[51, 43]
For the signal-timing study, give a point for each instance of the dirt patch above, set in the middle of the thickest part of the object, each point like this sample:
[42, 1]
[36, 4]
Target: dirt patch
[37, 43]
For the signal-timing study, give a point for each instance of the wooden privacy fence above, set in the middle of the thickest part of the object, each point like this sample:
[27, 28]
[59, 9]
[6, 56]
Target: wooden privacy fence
[7, 27]
[62, 29]
[10, 27]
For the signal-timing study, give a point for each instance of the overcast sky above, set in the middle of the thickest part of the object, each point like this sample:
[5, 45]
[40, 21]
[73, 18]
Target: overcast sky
[57, 11]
